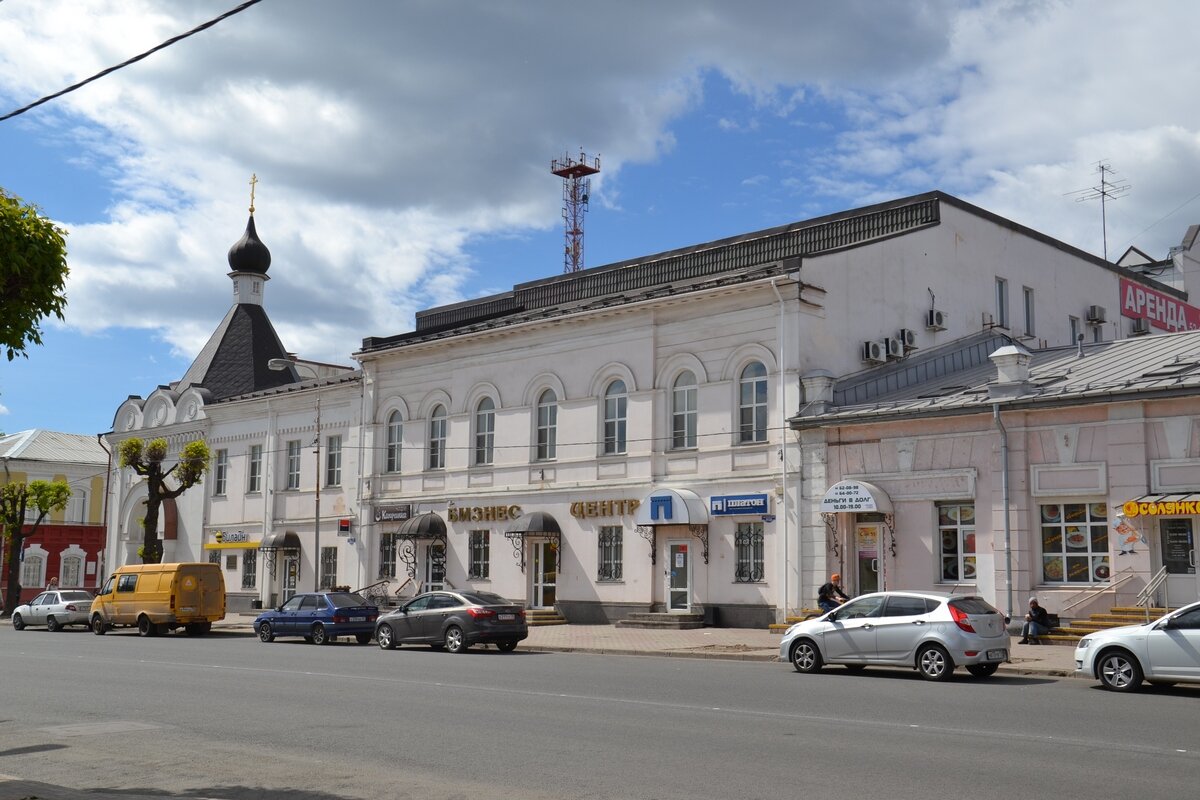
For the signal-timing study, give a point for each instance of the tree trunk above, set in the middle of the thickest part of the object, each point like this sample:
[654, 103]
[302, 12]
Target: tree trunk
[12, 593]
[151, 549]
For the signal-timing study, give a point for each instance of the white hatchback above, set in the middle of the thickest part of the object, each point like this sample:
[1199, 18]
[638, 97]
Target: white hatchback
[931, 632]
[1164, 651]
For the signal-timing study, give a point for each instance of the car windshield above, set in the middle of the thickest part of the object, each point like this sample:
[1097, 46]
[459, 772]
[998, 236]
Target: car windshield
[973, 605]
[346, 599]
[485, 599]
[69, 597]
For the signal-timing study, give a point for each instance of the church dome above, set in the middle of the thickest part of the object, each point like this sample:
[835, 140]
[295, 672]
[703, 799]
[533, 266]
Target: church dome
[249, 254]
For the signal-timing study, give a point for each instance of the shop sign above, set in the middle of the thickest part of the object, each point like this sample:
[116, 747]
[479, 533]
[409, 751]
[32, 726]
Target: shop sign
[603, 508]
[731, 504]
[482, 513]
[1168, 508]
[848, 496]
[1164, 312]
[396, 512]
[228, 537]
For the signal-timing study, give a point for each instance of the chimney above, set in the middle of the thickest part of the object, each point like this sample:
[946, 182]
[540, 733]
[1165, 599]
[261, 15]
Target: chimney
[1012, 372]
[818, 392]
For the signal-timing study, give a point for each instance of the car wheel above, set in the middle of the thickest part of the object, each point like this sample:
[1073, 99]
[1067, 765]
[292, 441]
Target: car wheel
[982, 670]
[934, 663]
[146, 627]
[18, 623]
[362, 638]
[319, 634]
[507, 646]
[266, 633]
[386, 637]
[52, 625]
[99, 627]
[455, 641]
[1119, 671]
[806, 657]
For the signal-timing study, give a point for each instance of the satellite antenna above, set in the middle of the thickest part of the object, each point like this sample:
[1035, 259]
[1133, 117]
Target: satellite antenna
[1110, 188]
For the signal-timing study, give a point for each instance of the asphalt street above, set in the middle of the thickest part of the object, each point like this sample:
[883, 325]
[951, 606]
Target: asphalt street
[227, 716]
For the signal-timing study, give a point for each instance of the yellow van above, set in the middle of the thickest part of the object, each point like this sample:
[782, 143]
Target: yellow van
[161, 597]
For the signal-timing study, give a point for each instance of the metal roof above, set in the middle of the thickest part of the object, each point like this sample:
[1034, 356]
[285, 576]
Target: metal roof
[52, 446]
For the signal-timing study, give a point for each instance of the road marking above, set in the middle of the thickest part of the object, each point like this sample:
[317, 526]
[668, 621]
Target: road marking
[91, 728]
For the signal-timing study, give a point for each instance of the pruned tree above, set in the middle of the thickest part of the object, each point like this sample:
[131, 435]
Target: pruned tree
[33, 273]
[16, 499]
[146, 459]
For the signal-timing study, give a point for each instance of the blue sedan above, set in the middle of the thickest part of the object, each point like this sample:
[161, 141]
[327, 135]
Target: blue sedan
[319, 617]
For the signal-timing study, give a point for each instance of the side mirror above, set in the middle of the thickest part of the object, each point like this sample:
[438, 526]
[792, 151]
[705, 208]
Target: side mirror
[1167, 624]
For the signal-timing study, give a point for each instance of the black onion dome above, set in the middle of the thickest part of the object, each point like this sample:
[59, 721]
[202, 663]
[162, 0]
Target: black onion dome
[249, 254]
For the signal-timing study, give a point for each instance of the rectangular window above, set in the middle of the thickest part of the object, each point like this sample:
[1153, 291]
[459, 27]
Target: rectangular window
[480, 566]
[547, 429]
[293, 464]
[77, 506]
[611, 557]
[956, 538]
[231, 563]
[387, 555]
[748, 543]
[683, 416]
[328, 567]
[254, 469]
[214, 556]
[220, 472]
[249, 569]
[1074, 542]
[1002, 302]
[1027, 296]
[1074, 323]
[333, 461]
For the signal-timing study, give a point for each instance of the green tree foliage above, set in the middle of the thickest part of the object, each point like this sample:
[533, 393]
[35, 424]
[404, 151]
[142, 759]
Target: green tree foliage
[33, 273]
[15, 500]
[146, 459]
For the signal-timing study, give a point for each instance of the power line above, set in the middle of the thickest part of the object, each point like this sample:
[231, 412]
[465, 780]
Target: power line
[133, 60]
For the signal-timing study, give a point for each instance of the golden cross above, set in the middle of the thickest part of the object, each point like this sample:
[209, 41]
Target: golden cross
[253, 181]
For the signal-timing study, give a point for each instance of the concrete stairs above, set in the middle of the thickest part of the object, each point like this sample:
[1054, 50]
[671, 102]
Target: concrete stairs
[535, 617]
[662, 621]
[804, 613]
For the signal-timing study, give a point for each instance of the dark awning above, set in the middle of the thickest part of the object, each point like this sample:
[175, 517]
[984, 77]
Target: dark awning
[423, 526]
[535, 522]
[288, 540]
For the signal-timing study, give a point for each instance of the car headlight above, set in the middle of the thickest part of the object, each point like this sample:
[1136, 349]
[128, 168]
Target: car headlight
[1084, 644]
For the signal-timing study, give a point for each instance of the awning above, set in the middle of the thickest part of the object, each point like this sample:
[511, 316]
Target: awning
[1163, 505]
[423, 526]
[672, 507]
[535, 522]
[288, 540]
[854, 497]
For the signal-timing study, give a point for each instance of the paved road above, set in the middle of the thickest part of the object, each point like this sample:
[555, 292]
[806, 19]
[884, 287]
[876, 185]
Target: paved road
[229, 717]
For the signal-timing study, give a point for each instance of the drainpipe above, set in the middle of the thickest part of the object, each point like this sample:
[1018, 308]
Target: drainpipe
[102, 557]
[783, 448]
[1005, 492]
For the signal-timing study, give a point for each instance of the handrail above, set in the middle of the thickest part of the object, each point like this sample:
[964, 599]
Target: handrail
[1093, 592]
[1146, 596]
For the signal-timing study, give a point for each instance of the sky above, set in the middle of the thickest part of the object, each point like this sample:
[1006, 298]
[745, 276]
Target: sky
[402, 148]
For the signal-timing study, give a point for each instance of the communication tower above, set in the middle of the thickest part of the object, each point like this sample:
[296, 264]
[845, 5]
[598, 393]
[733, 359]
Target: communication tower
[577, 185]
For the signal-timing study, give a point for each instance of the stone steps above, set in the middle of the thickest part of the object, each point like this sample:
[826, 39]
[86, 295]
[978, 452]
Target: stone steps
[663, 621]
[535, 617]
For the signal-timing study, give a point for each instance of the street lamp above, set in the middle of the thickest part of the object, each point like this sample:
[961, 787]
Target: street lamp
[279, 364]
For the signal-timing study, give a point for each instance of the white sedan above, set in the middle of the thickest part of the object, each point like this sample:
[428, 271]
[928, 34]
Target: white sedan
[1163, 652]
[54, 609]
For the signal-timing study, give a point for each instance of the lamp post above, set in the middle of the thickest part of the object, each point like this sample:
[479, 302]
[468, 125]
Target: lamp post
[282, 364]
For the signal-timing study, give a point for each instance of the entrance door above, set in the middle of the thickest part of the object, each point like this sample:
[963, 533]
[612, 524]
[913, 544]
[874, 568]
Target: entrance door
[291, 575]
[435, 568]
[1177, 542]
[545, 574]
[866, 544]
[679, 577]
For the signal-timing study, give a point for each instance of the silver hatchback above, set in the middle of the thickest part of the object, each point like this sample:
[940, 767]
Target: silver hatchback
[931, 632]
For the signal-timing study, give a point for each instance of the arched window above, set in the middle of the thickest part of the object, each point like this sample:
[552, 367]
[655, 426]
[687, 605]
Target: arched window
[485, 431]
[33, 570]
[437, 438]
[752, 404]
[395, 437]
[547, 425]
[683, 411]
[616, 403]
[71, 571]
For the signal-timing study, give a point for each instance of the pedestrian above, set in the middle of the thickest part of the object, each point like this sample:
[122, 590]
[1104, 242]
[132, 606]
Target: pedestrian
[52, 585]
[830, 596]
[1037, 623]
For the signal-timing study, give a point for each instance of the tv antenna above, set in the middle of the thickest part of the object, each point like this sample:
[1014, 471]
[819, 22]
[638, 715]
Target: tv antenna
[577, 185]
[1110, 188]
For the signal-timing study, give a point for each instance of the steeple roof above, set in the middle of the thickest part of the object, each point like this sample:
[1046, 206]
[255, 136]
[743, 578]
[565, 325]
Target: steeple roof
[249, 254]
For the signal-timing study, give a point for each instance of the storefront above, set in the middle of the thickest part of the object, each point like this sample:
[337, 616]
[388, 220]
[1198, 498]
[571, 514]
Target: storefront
[236, 551]
[862, 534]
[1167, 524]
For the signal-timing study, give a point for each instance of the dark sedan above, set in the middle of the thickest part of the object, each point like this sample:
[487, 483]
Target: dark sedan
[319, 617]
[455, 621]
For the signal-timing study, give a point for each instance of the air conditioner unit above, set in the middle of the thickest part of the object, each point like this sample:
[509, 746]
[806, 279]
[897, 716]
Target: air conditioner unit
[1141, 327]
[907, 337]
[1096, 314]
[935, 320]
[895, 347]
[874, 352]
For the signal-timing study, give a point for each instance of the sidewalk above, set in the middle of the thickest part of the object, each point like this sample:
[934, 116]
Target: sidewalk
[741, 644]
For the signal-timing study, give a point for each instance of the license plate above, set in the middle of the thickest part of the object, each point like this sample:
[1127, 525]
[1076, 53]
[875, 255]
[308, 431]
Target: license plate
[358, 619]
[506, 617]
[997, 655]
